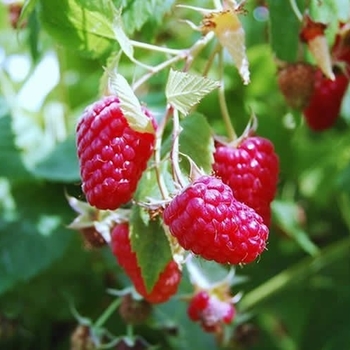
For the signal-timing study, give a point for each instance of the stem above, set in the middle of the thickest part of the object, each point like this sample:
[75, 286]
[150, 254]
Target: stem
[210, 59]
[107, 313]
[196, 49]
[223, 104]
[151, 47]
[296, 10]
[295, 273]
[174, 154]
[157, 69]
[157, 154]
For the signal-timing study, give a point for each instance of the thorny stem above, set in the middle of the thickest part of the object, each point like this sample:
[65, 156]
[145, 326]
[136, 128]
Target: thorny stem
[222, 101]
[294, 274]
[296, 10]
[174, 154]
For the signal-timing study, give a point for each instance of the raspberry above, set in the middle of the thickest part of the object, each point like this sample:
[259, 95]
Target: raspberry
[168, 281]
[251, 171]
[112, 156]
[210, 311]
[207, 219]
[324, 107]
[296, 83]
[341, 46]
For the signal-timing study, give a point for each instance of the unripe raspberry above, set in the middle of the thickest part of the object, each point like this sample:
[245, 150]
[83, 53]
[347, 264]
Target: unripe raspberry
[296, 83]
[81, 339]
[208, 220]
[251, 170]
[111, 154]
[134, 311]
[168, 280]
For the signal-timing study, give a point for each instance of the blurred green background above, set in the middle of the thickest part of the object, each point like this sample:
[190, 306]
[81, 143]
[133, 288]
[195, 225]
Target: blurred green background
[297, 296]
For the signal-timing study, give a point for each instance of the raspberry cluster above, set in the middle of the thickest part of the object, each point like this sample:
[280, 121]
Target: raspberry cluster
[207, 219]
[318, 89]
[210, 311]
[111, 154]
[168, 280]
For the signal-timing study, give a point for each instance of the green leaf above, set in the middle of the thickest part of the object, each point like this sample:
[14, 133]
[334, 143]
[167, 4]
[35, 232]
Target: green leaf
[121, 37]
[286, 216]
[137, 12]
[27, 9]
[129, 104]
[148, 187]
[32, 243]
[150, 245]
[80, 24]
[284, 29]
[61, 164]
[196, 141]
[184, 90]
[11, 164]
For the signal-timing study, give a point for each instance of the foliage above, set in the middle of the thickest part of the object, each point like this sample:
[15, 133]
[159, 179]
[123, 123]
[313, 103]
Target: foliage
[56, 63]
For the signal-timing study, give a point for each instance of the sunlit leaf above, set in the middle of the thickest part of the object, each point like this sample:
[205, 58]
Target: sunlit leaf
[120, 35]
[129, 104]
[80, 25]
[185, 90]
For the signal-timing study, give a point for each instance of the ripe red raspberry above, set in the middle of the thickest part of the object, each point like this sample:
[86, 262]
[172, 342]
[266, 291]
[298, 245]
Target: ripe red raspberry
[168, 281]
[207, 219]
[210, 311]
[251, 170]
[296, 83]
[324, 107]
[341, 46]
[112, 155]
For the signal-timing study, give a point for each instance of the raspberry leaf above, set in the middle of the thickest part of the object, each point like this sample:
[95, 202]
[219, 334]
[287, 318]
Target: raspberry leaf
[129, 104]
[27, 9]
[184, 90]
[148, 187]
[80, 24]
[199, 148]
[283, 30]
[151, 246]
[139, 12]
[120, 35]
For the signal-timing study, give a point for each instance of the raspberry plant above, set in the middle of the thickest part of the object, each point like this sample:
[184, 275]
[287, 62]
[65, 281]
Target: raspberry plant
[174, 175]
